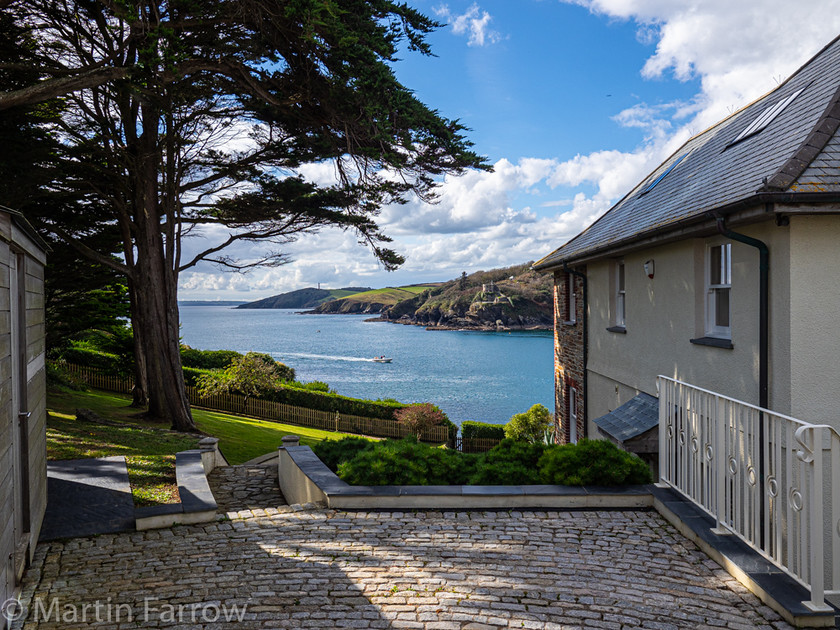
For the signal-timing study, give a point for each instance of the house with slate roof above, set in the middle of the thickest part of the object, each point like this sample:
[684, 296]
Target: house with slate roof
[720, 269]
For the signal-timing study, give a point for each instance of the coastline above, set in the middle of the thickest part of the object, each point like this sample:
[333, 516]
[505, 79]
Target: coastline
[465, 326]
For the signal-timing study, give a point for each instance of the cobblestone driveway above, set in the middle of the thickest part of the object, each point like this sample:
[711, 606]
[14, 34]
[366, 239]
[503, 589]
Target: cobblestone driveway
[314, 568]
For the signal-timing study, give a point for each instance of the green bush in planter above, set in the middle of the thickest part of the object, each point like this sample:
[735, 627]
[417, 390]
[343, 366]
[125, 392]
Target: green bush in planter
[510, 462]
[333, 452]
[405, 462]
[592, 463]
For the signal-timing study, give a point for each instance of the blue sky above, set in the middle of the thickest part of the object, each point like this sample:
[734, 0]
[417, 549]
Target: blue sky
[573, 102]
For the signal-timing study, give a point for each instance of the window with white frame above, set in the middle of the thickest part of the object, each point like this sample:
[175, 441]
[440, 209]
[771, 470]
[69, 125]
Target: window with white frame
[718, 288]
[573, 413]
[619, 294]
[571, 305]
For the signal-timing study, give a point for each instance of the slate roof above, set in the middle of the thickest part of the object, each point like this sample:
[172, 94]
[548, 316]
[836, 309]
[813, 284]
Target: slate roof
[798, 152]
[637, 415]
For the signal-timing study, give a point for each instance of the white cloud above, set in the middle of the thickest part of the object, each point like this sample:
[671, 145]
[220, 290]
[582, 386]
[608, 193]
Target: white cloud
[738, 50]
[471, 201]
[475, 24]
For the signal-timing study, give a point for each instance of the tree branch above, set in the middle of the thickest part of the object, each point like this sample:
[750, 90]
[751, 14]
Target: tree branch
[92, 253]
[52, 88]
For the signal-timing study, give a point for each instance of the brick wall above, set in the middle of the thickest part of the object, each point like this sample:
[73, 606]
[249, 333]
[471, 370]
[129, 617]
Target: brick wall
[568, 353]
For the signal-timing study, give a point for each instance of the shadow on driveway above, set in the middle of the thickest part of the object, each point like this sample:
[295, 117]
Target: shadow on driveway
[87, 497]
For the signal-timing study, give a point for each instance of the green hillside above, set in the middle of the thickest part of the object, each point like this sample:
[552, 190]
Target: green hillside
[515, 297]
[374, 300]
[304, 298]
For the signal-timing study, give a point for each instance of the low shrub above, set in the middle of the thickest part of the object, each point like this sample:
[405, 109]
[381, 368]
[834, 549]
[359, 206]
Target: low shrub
[409, 462]
[477, 430]
[58, 376]
[405, 462]
[509, 462]
[334, 452]
[503, 473]
[592, 463]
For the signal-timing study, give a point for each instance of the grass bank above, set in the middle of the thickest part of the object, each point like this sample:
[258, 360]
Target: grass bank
[150, 448]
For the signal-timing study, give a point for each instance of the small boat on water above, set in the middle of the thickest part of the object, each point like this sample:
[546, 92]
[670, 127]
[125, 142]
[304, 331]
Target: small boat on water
[382, 359]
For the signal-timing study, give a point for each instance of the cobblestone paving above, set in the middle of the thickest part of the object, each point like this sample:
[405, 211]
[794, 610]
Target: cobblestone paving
[244, 487]
[306, 567]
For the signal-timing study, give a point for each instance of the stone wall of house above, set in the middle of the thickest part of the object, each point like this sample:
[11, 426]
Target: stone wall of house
[568, 356]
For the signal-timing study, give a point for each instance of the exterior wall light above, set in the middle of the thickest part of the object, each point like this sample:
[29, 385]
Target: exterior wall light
[649, 267]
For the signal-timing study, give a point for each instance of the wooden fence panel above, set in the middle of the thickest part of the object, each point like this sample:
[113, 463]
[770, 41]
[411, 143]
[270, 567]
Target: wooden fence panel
[475, 445]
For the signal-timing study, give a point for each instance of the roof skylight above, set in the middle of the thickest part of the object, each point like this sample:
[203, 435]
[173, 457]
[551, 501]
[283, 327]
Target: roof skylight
[661, 177]
[766, 117]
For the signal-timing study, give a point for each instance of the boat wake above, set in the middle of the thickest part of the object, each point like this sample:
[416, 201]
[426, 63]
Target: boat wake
[321, 357]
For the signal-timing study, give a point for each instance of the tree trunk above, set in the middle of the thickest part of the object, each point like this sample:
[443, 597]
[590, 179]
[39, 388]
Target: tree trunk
[155, 293]
[157, 316]
[140, 392]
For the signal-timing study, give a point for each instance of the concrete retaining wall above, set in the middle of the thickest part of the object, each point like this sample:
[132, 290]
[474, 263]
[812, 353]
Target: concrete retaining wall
[197, 502]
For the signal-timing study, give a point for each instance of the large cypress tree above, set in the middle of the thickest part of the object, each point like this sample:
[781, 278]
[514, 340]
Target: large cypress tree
[80, 295]
[180, 114]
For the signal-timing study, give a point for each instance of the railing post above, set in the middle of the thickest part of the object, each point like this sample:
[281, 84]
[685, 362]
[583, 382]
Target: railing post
[663, 390]
[815, 514]
[718, 464]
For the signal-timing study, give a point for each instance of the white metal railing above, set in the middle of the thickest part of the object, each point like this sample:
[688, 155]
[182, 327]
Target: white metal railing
[772, 480]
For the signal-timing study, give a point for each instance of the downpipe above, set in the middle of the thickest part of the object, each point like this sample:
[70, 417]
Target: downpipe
[763, 347]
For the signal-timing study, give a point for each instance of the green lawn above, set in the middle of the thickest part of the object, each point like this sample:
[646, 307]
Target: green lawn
[149, 451]
[240, 438]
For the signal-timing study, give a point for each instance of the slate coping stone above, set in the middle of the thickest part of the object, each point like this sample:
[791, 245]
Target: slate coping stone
[543, 490]
[148, 511]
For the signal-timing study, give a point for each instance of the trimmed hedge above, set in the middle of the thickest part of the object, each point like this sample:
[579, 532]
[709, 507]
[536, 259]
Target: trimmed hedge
[191, 375]
[324, 401]
[207, 359]
[471, 429]
[111, 363]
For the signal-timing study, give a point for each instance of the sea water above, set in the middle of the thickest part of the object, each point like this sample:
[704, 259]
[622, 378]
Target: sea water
[470, 375]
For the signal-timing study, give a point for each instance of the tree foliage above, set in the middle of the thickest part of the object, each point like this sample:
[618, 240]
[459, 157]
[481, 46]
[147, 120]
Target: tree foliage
[181, 118]
[420, 417]
[529, 426]
[80, 295]
[253, 374]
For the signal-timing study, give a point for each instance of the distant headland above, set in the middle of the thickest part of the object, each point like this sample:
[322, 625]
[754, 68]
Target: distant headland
[512, 298]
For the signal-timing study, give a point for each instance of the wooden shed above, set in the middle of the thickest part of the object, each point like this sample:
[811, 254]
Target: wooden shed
[23, 412]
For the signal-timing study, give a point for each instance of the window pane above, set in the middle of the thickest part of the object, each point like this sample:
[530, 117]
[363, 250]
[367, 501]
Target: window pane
[727, 264]
[715, 264]
[722, 307]
[621, 276]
